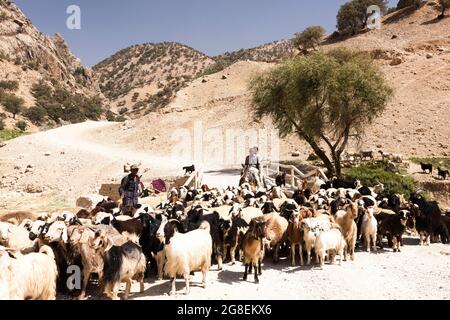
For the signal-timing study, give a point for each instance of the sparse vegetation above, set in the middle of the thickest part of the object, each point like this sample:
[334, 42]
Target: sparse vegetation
[36, 114]
[60, 104]
[309, 38]
[21, 125]
[371, 174]
[10, 134]
[10, 85]
[12, 103]
[323, 98]
[352, 16]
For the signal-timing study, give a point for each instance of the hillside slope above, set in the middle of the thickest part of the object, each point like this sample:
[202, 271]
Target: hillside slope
[27, 56]
[145, 77]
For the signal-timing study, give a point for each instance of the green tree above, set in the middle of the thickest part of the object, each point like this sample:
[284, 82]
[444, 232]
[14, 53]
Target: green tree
[445, 4]
[353, 16]
[21, 125]
[36, 114]
[324, 99]
[309, 38]
[13, 104]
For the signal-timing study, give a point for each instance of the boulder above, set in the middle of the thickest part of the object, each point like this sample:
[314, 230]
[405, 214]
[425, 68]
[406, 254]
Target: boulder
[429, 55]
[296, 154]
[89, 202]
[396, 61]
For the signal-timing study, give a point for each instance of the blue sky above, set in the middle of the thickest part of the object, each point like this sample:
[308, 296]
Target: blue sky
[211, 26]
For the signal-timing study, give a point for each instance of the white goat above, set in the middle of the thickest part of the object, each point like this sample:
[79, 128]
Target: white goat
[32, 276]
[187, 252]
[369, 229]
[312, 227]
[16, 238]
[329, 240]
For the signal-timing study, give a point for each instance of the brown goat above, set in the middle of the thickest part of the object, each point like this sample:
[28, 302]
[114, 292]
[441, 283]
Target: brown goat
[295, 236]
[253, 248]
[275, 231]
[91, 259]
[346, 220]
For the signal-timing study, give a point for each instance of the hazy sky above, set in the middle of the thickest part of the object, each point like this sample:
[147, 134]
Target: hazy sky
[211, 26]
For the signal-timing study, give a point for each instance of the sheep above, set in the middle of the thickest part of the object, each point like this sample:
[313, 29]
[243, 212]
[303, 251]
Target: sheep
[312, 227]
[187, 252]
[123, 263]
[327, 241]
[253, 248]
[369, 229]
[16, 238]
[295, 236]
[32, 276]
[346, 220]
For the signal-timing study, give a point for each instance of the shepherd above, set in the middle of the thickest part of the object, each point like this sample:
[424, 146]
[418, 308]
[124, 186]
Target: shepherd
[252, 168]
[130, 188]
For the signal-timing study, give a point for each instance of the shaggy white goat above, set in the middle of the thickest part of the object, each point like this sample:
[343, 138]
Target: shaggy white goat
[32, 276]
[16, 238]
[369, 229]
[187, 252]
[329, 240]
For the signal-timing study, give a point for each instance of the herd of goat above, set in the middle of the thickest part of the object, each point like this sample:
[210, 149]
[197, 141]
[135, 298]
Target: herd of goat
[195, 228]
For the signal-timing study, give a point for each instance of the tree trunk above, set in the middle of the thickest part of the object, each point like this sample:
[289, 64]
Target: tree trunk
[320, 153]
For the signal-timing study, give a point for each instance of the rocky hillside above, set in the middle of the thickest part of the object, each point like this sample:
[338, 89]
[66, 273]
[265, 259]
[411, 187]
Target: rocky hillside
[27, 57]
[145, 77]
[412, 49]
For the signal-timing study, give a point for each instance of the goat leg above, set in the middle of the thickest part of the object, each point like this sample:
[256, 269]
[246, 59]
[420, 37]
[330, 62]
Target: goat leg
[245, 272]
[188, 289]
[86, 275]
[256, 272]
[127, 289]
[293, 254]
[259, 267]
[174, 289]
[300, 252]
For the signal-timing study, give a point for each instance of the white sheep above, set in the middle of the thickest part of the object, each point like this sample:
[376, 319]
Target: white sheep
[32, 276]
[369, 229]
[16, 238]
[327, 241]
[187, 253]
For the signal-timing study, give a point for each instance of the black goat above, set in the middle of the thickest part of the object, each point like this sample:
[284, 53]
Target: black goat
[443, 173]
[427, 166]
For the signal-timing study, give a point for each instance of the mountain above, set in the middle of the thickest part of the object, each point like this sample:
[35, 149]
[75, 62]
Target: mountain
[144, 77]
[27, 57]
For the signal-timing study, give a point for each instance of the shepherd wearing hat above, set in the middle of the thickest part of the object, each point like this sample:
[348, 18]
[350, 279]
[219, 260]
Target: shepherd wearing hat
[130, 188]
